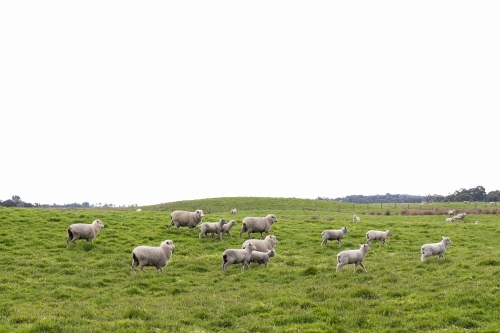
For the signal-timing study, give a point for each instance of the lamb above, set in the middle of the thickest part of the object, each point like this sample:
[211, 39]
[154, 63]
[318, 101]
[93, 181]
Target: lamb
[262, 257]
[435, 249]
[181, 218]
[451, 212]
[83, 231]
[334, 235]
[381, 236]
[355, 257]
[139, 210]
[450, 219]
[236, 256]
[355, 218]
[152, 256]
[227, 227]
[258, 224]
[212, 228]
[233, 211]
[461, 216]
[262, 245]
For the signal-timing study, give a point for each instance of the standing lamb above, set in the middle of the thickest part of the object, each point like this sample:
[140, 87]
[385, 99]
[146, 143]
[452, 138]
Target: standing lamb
[152, 256]
[334, 235]
[262, 245]
[355, 218]
[212, 228]
[450, 219]
[227, 227]
[181, 218]
[258, 224]
[233, 211]
[355, 257]
[83, 231]
[236, 256]
[261, 257]
[381, 236]
[435, 249]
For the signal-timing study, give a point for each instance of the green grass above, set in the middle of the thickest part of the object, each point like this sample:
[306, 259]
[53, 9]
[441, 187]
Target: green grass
[46, 287]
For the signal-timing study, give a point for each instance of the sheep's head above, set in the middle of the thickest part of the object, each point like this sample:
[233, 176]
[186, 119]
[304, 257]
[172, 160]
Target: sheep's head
[169, 244]
[345, 230]
[365, 247]
[446, 241]
[99, 223]
[199, 212]
[251, 246]
[272, 217]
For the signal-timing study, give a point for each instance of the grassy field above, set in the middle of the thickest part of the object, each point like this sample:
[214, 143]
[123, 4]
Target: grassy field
[46, 287]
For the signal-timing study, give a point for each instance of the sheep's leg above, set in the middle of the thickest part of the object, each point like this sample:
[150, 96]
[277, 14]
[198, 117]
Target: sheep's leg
[340, 265]
[362, 265]
[142, 268]
[340, 242]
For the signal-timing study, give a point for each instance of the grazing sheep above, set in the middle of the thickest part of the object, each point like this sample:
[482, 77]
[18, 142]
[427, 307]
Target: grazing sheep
[182, 218]
[261, 257]
[450, 219]
[83, 231]
[435, 249]
[355, 257]
[461, 216]
[258, 224]
[152, 256]
[355, 218]
[381, 236]
[451, 212]
[466, 202]
[493, 203]
[212, 228]
[334, 235]
[233, 211]
[236, 256]
[227, 227]
[262, 245]
[476, 222]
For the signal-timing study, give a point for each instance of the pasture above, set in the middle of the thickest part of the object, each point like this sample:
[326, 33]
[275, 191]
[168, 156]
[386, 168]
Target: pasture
[46, 287]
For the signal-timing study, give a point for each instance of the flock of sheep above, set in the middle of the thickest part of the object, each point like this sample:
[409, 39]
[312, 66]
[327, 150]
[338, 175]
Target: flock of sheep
[253, 250]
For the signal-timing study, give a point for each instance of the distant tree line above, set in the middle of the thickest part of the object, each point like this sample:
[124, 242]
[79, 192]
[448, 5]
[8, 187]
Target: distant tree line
[15, 201]
[477, 193]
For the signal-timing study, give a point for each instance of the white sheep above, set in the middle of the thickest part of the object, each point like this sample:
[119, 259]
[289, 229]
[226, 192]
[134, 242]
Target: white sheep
[83, 231]
[438, 249]
[152, 256]
[233, 211]
[181, 218]
[262, 257]
[139, 210]
[466, 202]
[258, 224]
[461, 216]
[236, 256]
[330, 234]
[262, 245]
[355, 257]
[355, 218]
[212, 228]
[450, 219]
[226, 228]
[381, 236]
[493, 203]
[451, 212]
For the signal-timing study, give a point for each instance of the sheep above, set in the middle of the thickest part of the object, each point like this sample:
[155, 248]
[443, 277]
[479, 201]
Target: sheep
[381, 236]
[181, 218]
[236, 256]
[83, 231]
[438, 249]
[262, 257]
[152, 256]
[233, 211]
[451, 212]
[476, 222]
[211, 227]
[466, 202]
[262, 245]
[355, 257]
[355, 218]
[334, 235]
[450, 219]
[462, 216]
[227, 227]
[139, 210]
[493, 203]
[258, 224]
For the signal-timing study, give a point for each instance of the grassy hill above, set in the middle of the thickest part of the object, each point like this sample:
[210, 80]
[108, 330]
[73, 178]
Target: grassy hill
[47, 287]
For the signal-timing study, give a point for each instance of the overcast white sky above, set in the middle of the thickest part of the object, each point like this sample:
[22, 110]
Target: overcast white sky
[129, 102]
